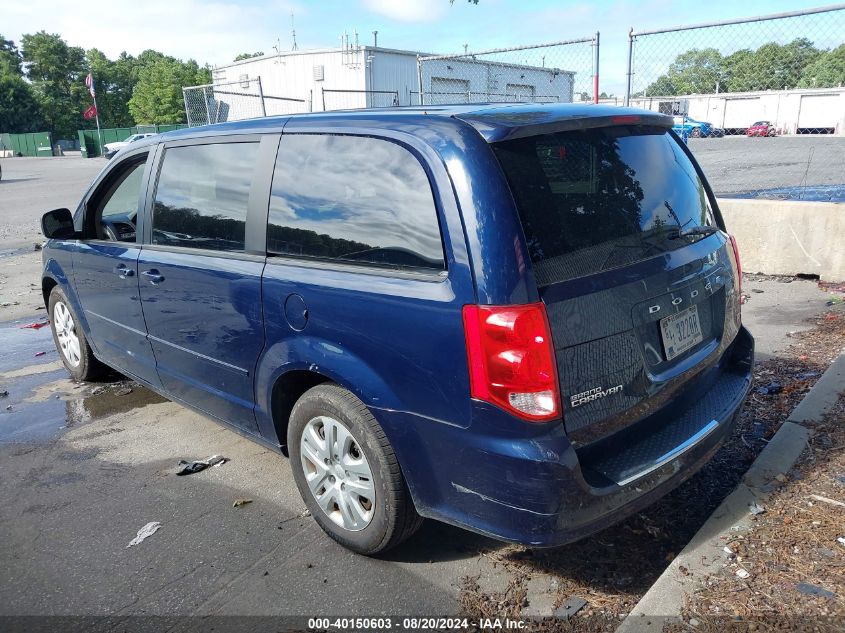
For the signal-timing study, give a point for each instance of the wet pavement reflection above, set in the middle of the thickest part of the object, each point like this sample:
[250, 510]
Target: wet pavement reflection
[38, 400]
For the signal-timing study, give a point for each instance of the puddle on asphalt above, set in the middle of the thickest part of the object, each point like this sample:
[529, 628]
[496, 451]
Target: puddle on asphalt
[42, 401]
[22, 347]
[11, 252]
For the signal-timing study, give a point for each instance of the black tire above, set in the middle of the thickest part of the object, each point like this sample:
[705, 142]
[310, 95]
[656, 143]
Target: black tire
[394, 517]
[88, 367]
[695, 132]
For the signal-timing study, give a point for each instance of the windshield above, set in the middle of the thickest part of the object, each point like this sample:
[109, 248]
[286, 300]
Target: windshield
[596, 199]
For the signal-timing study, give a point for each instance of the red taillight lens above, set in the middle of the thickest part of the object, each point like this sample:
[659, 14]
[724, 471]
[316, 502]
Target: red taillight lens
[511, 359]
[738, 264]
[625, 119]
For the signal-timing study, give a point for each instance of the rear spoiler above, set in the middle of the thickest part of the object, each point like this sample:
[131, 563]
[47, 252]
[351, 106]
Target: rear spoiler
[505, 127]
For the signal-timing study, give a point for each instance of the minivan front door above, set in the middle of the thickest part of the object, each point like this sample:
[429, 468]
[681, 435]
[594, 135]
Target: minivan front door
[200, 289]
[105, 268]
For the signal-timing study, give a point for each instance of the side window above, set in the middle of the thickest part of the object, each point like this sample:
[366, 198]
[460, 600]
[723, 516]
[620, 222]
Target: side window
[202, 196]
[114, 208]
[353, 199]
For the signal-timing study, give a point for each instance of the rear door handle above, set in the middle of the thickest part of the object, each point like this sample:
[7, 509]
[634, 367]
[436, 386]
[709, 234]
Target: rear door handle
[153, 275]
[122, 271]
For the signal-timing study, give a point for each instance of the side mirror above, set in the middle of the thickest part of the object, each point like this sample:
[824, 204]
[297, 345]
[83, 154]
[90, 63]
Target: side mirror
[57, 224]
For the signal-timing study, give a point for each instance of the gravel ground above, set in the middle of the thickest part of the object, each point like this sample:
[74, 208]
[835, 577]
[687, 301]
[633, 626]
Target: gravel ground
[793, 558]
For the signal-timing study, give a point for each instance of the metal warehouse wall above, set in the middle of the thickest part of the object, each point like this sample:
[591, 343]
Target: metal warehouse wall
[391, 70]
[296, 75]
[293, 75]
[500, 81]
[788, 110]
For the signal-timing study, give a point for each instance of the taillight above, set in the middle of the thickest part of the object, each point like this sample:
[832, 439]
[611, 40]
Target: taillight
[738, 264]
[511, 359]
[625, 119]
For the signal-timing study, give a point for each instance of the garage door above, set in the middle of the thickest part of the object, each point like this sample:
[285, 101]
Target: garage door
[819, 111]
[740, 113]
[449, 90]
[520, 92]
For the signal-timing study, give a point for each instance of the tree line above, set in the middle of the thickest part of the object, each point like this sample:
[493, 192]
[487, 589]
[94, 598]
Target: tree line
[798, 64]
[42, 86]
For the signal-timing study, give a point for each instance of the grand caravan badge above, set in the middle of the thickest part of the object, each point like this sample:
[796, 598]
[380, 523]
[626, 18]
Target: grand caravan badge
[593, 394]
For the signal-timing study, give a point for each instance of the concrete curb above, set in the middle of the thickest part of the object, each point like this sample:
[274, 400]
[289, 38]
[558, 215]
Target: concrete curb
[663, 602]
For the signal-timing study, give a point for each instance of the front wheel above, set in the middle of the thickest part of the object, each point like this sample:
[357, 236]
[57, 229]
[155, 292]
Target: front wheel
[347, 472]
[70, 340]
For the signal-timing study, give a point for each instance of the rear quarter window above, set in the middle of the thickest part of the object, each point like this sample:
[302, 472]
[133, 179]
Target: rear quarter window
[353, 199]
[596, 199]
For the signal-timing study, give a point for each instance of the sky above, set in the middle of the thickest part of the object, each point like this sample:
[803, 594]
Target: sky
[215, 31]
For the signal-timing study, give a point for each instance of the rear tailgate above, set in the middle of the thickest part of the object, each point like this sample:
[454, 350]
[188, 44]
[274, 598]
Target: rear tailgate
[638, 279]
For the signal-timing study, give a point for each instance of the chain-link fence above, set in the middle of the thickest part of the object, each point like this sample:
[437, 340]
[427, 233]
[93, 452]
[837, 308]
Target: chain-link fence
[560, 72]
[236, 100]
[765, 96]
[348, 99]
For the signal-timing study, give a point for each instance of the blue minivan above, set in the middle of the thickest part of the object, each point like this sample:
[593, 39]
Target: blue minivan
[519, 319]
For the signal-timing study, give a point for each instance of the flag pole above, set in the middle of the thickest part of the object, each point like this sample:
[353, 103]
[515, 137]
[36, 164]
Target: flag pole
[97, 110]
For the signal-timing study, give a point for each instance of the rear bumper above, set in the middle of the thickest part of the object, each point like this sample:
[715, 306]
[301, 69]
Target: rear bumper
[539, 490]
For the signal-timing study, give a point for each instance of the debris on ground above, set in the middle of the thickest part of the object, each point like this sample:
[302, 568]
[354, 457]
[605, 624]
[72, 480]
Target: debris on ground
[832, 502]
[756, 509]
[123, 391]
[742, 573]
[37, 354]
[570, 607]
[797, 568]
[241, 502]
[770, 389]
[832, 287]
[189, 468]
[37, 325]
[3, 393]
[148, 530]
[814, 590]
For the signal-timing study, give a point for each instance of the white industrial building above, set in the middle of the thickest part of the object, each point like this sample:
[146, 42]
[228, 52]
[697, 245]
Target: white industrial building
[359, 76]
[798, 111]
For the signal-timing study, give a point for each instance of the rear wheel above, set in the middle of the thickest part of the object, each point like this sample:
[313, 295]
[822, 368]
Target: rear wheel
[695, 132]
[347, 472]
[70, 340]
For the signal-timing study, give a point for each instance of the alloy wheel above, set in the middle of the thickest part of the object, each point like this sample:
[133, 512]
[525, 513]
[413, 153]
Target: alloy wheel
[66, 334]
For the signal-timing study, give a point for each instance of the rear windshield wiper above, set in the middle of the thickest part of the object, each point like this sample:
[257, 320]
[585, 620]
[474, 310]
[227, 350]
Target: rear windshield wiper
[695, 231]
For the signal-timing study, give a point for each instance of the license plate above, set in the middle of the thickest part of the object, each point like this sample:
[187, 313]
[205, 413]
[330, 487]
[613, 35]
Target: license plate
[680, 332]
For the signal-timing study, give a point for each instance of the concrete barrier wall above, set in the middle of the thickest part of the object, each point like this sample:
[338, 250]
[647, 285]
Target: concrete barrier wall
[782, 237]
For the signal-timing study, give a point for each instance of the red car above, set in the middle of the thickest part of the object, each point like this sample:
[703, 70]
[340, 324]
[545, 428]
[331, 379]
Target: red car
[761, 128]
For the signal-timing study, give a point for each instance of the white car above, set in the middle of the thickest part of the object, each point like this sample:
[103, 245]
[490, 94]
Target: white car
[113, 148]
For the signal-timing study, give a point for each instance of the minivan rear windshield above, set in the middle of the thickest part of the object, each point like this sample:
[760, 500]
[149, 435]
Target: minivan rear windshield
[596, 199]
